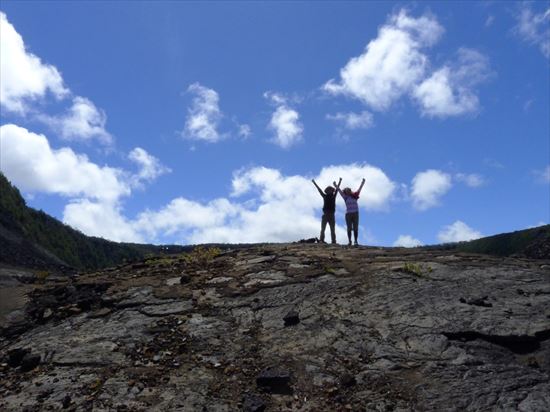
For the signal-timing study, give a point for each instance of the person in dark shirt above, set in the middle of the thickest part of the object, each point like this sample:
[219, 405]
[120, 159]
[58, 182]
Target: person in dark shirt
[329, 207]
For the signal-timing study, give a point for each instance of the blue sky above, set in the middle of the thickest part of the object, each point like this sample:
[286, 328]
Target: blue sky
[183, 122]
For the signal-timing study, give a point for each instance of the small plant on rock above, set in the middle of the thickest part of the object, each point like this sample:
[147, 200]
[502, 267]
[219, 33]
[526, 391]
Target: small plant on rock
[201, 256]
[417, 269]
[42, 275]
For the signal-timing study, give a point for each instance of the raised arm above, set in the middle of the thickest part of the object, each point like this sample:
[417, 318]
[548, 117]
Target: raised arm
[318, 188]
[337, 187]
[361, 187]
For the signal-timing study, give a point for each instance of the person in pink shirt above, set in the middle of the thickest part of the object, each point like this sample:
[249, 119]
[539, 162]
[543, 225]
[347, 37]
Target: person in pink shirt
[352, 210]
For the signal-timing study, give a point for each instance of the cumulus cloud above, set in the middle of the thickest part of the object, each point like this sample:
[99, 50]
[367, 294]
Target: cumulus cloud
[285, 122]
[395, 64]
[204, 115]
[534, 27]
[449, 91]
[83, 121]
[362, 120]
[29, 161]
[24, 77]
[457, 232]
[407, 241]
[264, 206]
[101, 219]
[149, 166]
[473, 180]
[391, 64]
[428, 187]
[95, 192]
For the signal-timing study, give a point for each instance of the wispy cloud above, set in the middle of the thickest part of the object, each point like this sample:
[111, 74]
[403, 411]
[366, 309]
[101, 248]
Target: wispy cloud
[245, 131]
[473, 180]
[534, 28]
[353, 121]
[543, 175]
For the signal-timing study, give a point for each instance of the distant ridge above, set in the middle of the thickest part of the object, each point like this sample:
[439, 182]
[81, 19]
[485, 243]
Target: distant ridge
[531, 243]
[32, 238]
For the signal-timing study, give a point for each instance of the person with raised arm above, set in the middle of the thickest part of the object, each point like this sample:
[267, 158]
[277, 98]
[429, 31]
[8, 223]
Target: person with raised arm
[329, 207]
[352, 209]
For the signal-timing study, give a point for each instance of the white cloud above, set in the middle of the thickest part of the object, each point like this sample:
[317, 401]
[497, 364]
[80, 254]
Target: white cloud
[245, 131]
[391, 64]
[31, 164]
[428, 187]
[24, 77]
[490, 20]
[362, 120]
[264, 206]
[457, 232]
[204, 115]
[543, 176]
[278, 99]
[285, 123]
[407, 241]
[534, 27]
[150, 166]
[102, 219]
[95, 192]
[83, 121]
[395, 64]
[449, 91]
[472, 180]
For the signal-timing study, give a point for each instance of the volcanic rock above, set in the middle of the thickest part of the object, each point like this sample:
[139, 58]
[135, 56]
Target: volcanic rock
[459, 332]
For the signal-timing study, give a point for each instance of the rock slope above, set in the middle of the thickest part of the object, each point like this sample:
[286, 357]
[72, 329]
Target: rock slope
[292, 327]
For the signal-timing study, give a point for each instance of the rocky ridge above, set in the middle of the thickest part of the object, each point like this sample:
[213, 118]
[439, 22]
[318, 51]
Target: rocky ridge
[297, 327]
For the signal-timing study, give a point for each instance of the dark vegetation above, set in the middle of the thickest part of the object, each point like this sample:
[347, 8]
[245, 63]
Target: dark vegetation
[32, 238]
[531, 243]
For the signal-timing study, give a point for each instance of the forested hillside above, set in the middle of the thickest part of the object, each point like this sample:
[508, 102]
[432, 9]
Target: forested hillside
[30, 237]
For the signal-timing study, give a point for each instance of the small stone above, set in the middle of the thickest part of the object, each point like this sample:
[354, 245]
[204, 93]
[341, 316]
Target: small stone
[100, 313]
[291, 318]
[253, 403]
[347, 380]
[29, 362]
[66, 401]
[15, 356]
[47, 314]
[275, 381]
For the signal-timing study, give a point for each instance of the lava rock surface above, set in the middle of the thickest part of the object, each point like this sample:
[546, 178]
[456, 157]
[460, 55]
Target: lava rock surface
[287, 327]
